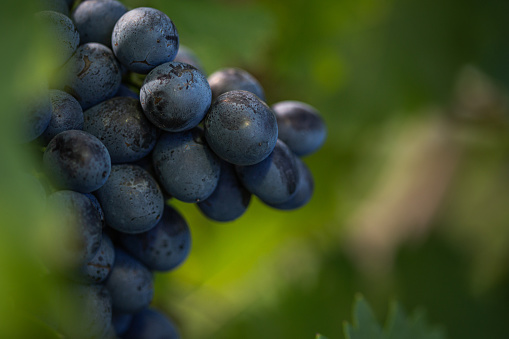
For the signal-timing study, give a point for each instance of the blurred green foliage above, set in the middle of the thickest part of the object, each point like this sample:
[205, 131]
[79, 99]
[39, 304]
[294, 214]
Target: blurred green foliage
[401, 150]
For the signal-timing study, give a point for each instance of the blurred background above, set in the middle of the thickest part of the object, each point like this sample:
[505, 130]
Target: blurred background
[411, 197]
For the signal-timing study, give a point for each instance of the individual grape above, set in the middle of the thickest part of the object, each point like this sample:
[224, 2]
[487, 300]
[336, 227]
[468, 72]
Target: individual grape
[150, 323]
[81, 227]
[121, 322]
[165, 246]
[62, 33]
[122, 127]
[77, 160]
[304, 191]
[91, 75]
[175, 96]
[60, 6]
[124, 91]
[36, 115]
[185, 166]
[91, 312]
[229, 200]
[67, 114]
[130, 284]
[229, 79]
[97, 206]
[131, 199]
[240, 128]
[98, 268]
[95, 20]
[144, 38]
[274, 180]
[300, 126]
[187, 56]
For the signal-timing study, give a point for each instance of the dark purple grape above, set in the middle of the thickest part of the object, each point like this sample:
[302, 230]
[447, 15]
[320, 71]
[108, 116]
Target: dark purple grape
[150, 323]
[78, 161]
[230, 79]
[130, 284]
[185, 166]
[121, 322]
[81, 226]
[165, 246]
[95, 20]
[98, 207]
[304, 191]
[274, 180]
[98, 268]
[175, 96]
[144, 38]
[131, 199]
[240, 128]
[229, 200]
[300, 126]
[187, 56]
[91, 75]
[122, 127]
[67, 114]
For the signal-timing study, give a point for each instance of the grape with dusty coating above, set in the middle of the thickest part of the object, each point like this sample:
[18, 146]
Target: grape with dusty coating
[91, 75]
[175, 96]
[185, 166]
[95, 20]
[144, 38]
[229, 200]
[122, 127]
[229, 79]
[165, 246]
[150, 323]
[274, 180]
[67, 114]
[131, 199]
[130, 284]
[240, 128]
[77, 160]
[300, 126]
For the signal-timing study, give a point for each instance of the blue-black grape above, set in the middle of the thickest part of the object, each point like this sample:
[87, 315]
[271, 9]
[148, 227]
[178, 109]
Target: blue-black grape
[95, 20]
[144, 38]
[131, 199]
[97, 206]
[130, 284]
[122, 127]
[185, 166]
[91, 75]
[274, 180]
[62, 33]
[98, 268]
[187, 56]
[229, 79]
[175, 96]
[150, 323]
[77, 160]
[300, 126]
[240, 128]
[229, 200]
[67, 114]
[121, 322]
[80, 226]
[165, 246]
[304, 191]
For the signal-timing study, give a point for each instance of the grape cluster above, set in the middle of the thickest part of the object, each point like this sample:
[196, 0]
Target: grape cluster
[115, 157]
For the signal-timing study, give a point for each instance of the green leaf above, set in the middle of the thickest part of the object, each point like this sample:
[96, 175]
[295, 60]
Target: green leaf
[399, 326]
